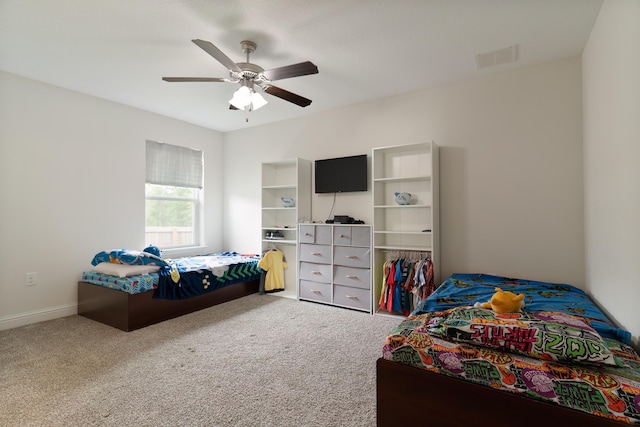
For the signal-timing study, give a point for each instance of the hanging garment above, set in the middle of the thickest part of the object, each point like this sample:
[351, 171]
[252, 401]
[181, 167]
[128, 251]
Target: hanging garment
[273, 262]
[397, 287]
[405, 283]
[385, 290]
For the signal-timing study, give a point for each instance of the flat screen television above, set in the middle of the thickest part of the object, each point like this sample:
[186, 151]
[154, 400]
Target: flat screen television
[341, 174]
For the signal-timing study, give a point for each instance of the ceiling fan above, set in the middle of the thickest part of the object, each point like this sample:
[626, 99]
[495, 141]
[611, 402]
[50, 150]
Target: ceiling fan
[251, 76]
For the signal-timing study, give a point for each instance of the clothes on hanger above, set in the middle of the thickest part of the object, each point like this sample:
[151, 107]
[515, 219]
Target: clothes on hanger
[405, 283]
[272, 263]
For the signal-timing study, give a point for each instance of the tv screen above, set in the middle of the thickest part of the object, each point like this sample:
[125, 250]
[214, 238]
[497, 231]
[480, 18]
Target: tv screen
[341, 174]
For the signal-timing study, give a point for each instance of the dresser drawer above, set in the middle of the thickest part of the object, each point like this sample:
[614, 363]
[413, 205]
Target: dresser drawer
[315, 234]
[351, 256]
[360, 236]
[350, 276]
[342, 235]
[352, 297]
[316, 272]
[307, 233]
[352, 235]
[315, 253]
[315, 291]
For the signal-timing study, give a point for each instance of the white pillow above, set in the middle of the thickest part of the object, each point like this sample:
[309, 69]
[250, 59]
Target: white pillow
[124, 270]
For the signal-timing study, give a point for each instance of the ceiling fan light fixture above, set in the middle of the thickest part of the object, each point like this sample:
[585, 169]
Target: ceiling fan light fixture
[246, 98]
[241, 98]
[258, 101]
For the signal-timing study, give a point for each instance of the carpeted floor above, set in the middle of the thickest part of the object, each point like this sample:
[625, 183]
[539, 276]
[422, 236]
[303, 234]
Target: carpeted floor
[257, 361]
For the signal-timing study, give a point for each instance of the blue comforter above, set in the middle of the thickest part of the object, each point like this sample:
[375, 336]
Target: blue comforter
[467, 289]
[192, 276]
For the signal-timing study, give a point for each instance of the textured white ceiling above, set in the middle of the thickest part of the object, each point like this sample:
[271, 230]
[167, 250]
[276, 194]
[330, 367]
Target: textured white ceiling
[365, 49]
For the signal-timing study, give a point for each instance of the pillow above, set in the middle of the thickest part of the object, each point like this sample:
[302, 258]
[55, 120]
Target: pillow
[124, 270]
[543, 335]
[128, 256]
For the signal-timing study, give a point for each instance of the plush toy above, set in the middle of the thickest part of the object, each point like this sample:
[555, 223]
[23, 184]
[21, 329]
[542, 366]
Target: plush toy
[503, 302]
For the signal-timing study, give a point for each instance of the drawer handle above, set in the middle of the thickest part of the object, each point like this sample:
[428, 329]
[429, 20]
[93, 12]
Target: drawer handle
[316, 272]
[342, 236]
[352, 256]
[315, 291]
[348, 276]
[308, 234]
[351, 296]
[316, 253]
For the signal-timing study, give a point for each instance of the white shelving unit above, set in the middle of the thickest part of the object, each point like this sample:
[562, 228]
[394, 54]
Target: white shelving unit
[286, 178]
[398, 228]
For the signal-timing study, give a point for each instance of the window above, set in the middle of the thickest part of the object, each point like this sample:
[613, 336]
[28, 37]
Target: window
[172, 195]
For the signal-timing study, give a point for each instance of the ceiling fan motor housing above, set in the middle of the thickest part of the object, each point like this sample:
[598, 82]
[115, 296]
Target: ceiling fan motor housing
[249, 70]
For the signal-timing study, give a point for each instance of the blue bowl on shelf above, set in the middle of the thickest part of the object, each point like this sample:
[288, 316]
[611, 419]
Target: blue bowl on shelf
[403, 198]
[288, 202]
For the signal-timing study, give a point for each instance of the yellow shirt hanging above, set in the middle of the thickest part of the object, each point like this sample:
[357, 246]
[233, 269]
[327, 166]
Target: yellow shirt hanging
[273, 263]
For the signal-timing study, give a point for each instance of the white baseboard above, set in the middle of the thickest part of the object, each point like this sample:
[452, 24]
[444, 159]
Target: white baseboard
[27, 318]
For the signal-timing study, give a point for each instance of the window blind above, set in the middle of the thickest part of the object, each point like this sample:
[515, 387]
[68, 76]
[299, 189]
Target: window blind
[173, 165]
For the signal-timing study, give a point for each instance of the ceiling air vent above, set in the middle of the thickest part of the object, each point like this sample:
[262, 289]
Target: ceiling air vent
[497, 57]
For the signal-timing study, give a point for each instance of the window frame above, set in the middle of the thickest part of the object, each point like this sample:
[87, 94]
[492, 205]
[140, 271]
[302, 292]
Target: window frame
[176, 167]
[197, 207]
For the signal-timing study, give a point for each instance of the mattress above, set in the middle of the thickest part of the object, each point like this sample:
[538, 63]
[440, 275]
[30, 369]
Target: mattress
[605, 382]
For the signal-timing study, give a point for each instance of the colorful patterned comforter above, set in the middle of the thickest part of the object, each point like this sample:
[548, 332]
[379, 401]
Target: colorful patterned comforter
[611, 391]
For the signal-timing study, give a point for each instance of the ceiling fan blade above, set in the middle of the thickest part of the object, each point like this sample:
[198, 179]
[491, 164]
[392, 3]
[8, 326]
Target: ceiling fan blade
[287, 96]
[217, 54]
[295, 70]
[193, 79]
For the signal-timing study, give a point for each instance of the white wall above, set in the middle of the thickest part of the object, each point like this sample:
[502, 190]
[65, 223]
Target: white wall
[510, 162]
[72, 184]
[71, 177]
[611, 69]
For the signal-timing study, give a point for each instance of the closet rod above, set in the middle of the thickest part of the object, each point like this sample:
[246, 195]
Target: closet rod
[407, 253]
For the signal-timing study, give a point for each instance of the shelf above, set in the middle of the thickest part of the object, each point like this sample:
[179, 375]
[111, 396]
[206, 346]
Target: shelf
[406, 248]
[397, 229]
[290, 178]
[416, 232]
[279, 187]
[402, 179]
[381, 312]
[401, 149]
[279, 227]
[401, 206]
[280, 241]
[279, 208]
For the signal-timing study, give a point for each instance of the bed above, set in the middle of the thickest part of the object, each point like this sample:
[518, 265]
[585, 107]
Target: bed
[130, 290]
[561, 361]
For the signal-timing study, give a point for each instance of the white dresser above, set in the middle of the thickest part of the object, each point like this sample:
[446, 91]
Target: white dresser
[334, 264]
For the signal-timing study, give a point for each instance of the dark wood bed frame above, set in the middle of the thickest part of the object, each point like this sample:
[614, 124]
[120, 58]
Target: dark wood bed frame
[129, 312]
[404, 391]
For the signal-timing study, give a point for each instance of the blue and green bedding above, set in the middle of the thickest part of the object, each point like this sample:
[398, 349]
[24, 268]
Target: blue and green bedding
[181, 277]
[562, 349]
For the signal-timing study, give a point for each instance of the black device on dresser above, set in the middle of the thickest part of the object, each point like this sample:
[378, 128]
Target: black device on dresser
[343, 219]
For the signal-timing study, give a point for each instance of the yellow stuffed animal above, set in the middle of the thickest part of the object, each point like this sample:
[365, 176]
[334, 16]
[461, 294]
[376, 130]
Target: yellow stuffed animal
[503, 302]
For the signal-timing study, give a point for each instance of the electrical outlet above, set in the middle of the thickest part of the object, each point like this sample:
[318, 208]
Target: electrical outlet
[31, 279]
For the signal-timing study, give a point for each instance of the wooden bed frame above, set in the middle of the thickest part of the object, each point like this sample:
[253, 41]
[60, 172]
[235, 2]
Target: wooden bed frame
[129, 312]
[404, 391]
